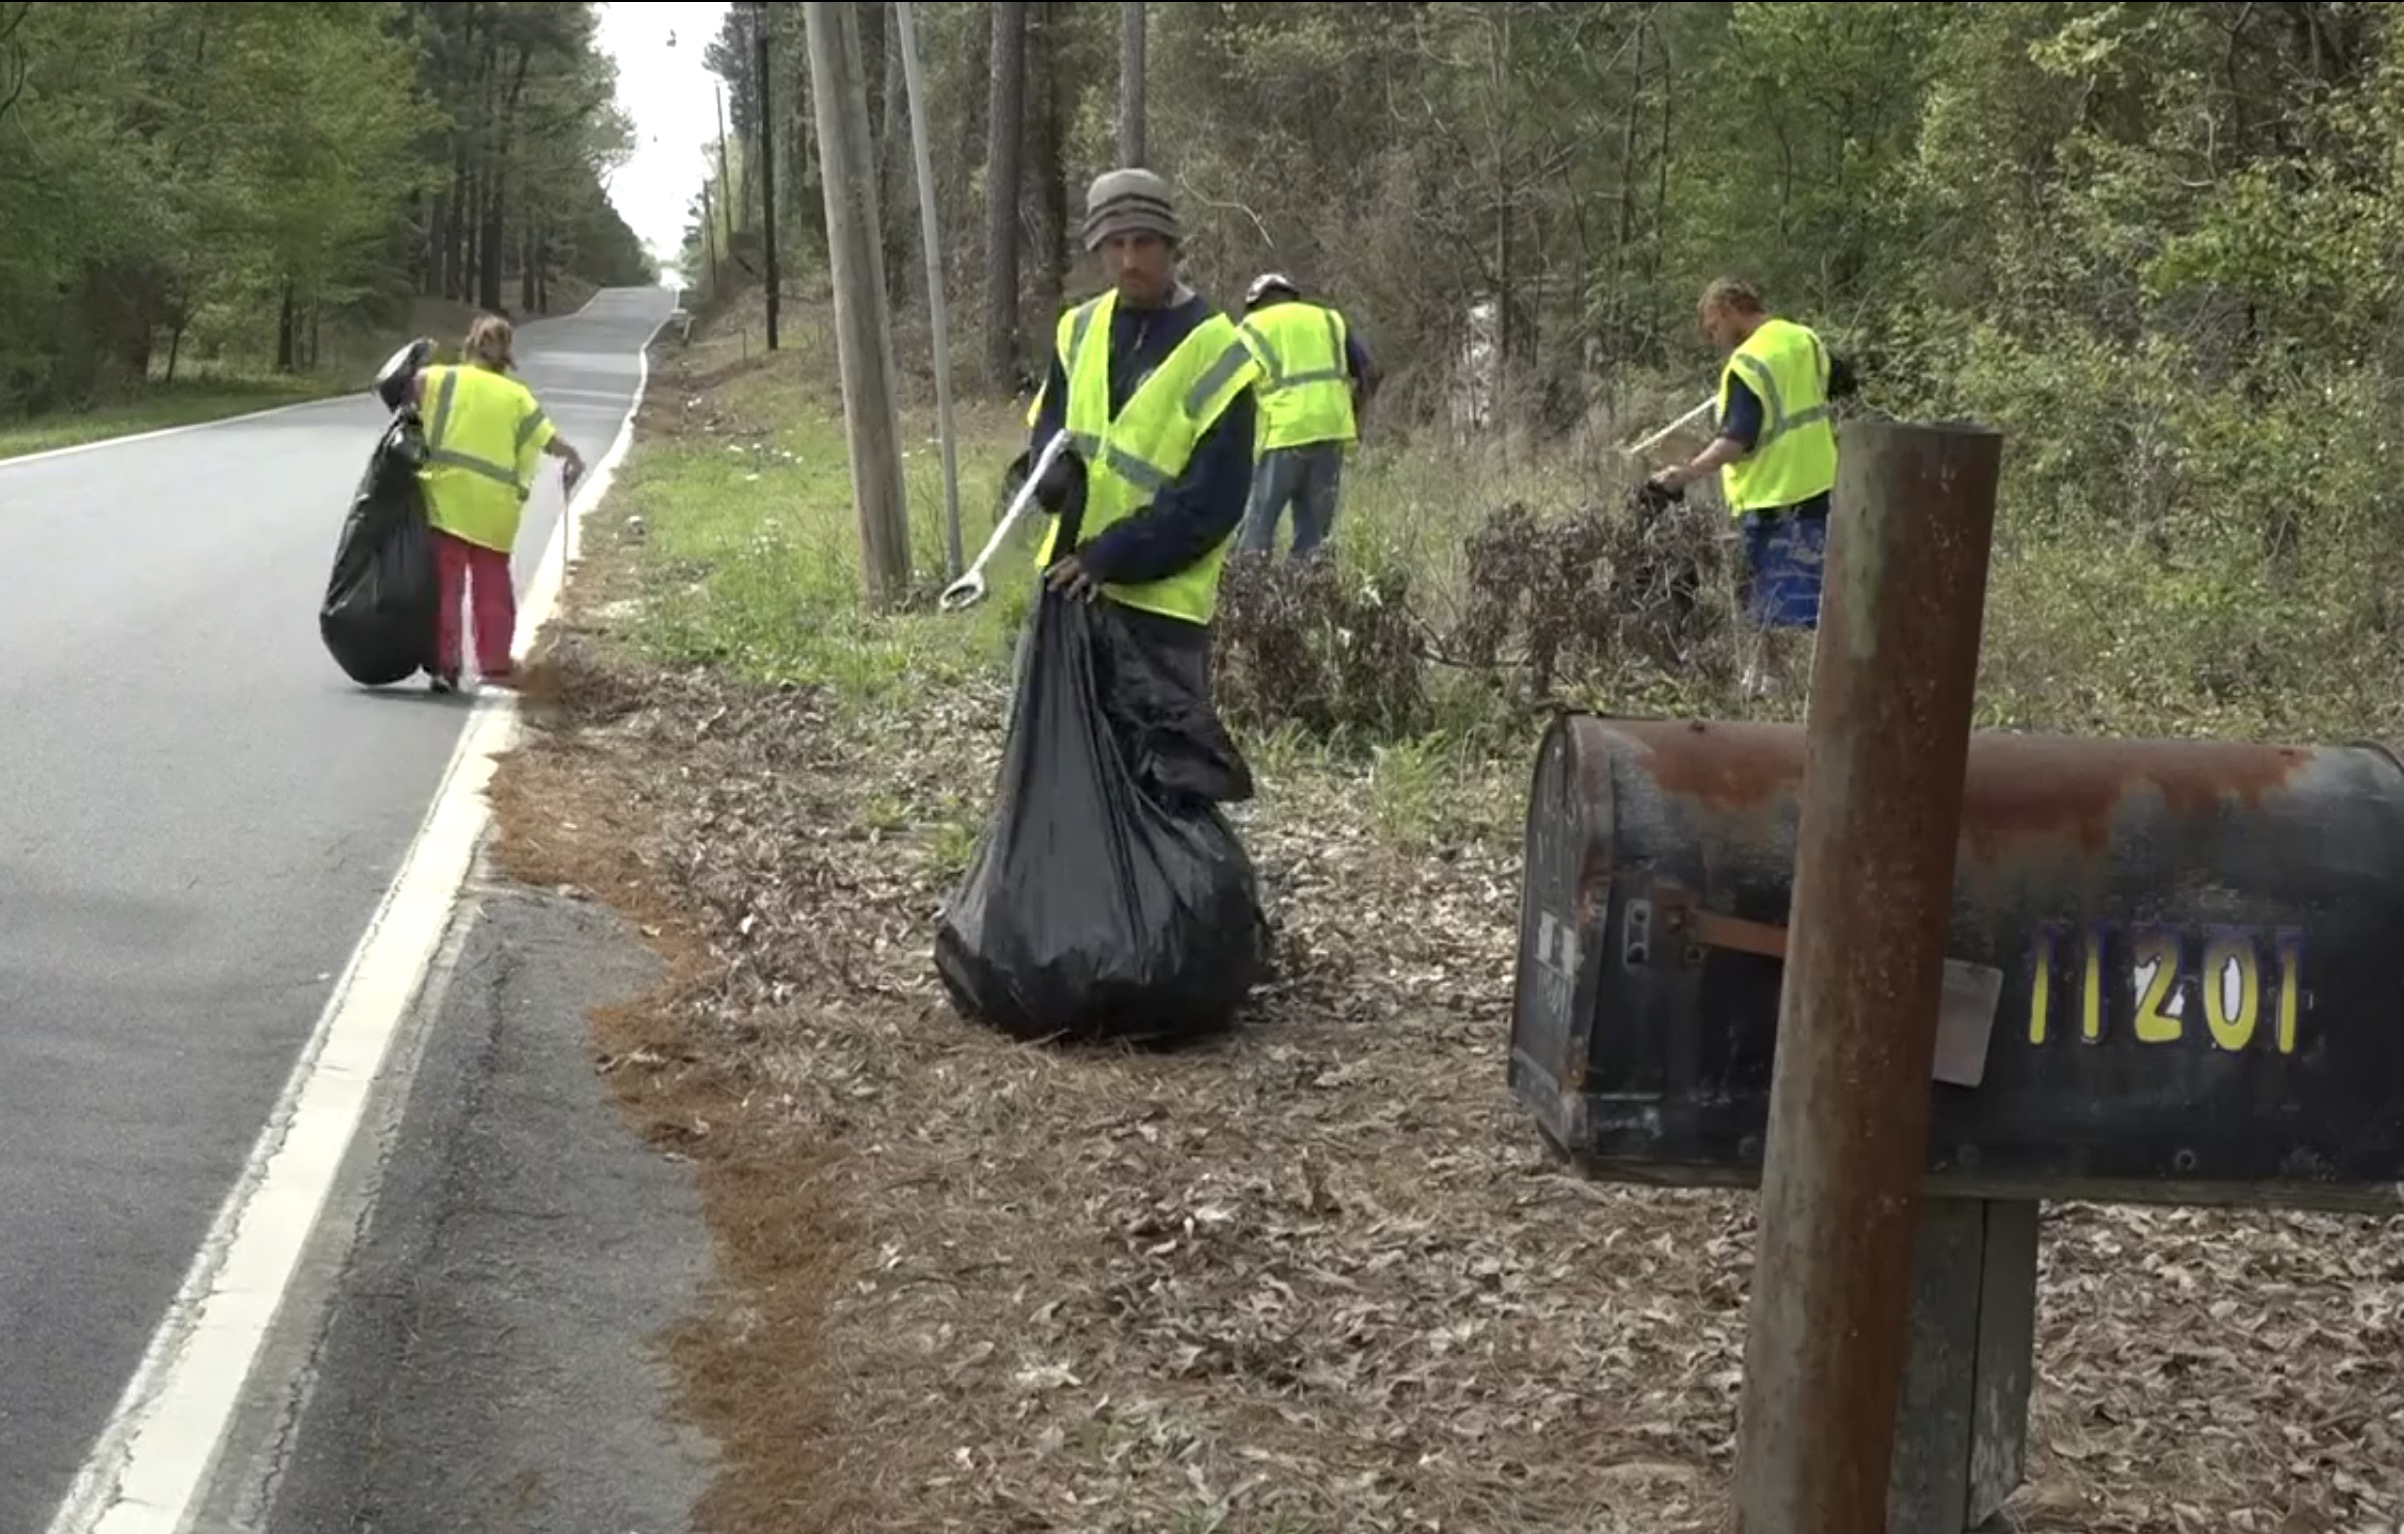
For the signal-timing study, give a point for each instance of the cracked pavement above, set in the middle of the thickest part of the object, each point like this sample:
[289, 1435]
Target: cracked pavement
[486, 1358]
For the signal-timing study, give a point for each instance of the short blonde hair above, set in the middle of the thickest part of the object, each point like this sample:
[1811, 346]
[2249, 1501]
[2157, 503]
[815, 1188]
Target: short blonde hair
[1733, 294]
[492, 342]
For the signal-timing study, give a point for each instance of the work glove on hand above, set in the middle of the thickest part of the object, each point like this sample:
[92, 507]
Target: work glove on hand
[1654, 497]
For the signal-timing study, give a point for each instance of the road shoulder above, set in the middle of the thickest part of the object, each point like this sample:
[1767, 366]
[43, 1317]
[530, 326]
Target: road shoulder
[487, 1355]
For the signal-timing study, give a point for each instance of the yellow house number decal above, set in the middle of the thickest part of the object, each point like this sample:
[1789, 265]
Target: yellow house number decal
[2224, 984]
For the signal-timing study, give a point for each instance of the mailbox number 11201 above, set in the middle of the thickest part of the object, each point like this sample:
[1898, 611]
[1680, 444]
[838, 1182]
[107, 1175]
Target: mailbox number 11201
[2241, 979]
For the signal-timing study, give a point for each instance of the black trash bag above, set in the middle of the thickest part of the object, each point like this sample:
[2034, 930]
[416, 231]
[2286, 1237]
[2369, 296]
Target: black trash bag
[379, 613]
[1109, 898]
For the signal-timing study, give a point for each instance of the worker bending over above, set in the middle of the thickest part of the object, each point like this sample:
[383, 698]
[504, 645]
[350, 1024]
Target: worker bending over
[1314, 382]
[1775, 452]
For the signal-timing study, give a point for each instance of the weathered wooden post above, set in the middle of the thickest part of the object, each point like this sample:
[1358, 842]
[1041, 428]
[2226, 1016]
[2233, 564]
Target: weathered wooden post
[1888, 736]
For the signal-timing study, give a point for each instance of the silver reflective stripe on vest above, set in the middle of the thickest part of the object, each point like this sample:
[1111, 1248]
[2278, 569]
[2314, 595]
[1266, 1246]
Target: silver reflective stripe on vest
[1120, 462]
[452, 458]
[1216, 377]
[1279, 380]
[1144, 476]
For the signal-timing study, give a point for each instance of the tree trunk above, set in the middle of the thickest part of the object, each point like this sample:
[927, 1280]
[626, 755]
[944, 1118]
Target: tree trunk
[893, 168]
[457, 227]
[771, 281]
[957, 174]
[529, 301]
[864, 339]
[490, 247]
[1054, 101]
[805, 196]
[495, 243]
[1131, 82]
[284, 328]
[1005, 117]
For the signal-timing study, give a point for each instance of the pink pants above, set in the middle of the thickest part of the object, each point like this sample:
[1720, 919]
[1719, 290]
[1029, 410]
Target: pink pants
[483, 574]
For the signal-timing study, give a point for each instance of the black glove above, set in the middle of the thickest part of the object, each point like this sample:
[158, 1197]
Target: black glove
[1844, 378]
[1653, 498]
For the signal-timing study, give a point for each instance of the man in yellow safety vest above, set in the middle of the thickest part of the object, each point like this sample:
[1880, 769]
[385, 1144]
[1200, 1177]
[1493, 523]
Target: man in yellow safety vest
[485, 436]
[1774, 450]
[1154, 387]
[1315, 380]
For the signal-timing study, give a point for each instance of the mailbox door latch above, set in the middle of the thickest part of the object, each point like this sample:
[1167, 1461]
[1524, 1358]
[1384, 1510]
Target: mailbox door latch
[1684, 927]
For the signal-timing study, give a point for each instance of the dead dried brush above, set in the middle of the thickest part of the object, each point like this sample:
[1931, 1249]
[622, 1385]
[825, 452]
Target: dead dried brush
[1320, 644]
[1591, 591]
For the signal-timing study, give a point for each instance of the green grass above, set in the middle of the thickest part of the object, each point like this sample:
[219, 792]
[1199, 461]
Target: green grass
[177, 404]
[212, 390]
[751, 557]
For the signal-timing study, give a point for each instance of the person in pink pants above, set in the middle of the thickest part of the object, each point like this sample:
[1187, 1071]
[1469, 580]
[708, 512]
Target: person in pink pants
[485, 436]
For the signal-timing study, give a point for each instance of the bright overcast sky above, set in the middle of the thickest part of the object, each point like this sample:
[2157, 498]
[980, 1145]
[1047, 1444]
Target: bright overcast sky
[669, 95]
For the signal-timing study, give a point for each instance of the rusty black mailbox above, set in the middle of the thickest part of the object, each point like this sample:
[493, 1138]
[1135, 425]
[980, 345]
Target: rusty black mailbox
[2180, 973]
[2193, 955]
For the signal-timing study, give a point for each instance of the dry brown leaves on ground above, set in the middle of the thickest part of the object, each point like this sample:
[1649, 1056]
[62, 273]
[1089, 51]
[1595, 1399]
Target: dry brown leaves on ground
[1320, 1277]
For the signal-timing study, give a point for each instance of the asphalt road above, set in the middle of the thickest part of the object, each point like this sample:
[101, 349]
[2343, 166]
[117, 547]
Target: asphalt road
[198, 814]
[473, 1341]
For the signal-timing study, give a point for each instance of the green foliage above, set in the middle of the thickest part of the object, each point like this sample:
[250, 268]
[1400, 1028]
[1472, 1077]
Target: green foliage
[2159, 246]
[250, 186]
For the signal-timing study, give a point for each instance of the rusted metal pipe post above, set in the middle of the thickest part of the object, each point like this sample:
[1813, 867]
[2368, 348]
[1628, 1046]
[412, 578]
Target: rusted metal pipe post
[1889, 730]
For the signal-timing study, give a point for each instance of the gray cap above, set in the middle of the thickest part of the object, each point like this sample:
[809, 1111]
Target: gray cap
[1128, 201]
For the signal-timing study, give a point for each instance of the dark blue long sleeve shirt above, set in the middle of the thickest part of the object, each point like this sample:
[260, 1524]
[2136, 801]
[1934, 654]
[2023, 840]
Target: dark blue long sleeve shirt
[1203, 507]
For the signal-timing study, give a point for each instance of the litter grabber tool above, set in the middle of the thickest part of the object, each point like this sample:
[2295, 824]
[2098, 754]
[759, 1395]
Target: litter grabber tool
[969, 589]
[1639, 449]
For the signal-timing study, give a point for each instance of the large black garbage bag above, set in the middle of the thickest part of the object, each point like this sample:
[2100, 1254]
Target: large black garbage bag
[1109, 897]
[379, 612]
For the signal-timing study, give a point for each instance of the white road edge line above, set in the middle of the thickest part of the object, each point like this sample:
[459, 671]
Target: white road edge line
[150, 1463]
[228, 420]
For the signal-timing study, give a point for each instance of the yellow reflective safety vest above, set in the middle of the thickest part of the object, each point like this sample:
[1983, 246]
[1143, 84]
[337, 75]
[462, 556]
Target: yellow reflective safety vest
[1142, 452]
[1305, 391]
[485, 437]
[1794, 458]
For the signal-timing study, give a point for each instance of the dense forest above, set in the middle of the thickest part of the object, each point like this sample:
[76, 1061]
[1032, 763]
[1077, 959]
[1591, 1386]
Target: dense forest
[252, 186]
[2159, 245]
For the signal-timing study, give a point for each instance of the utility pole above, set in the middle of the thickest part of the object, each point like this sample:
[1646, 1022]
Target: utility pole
[767, 157]
[726, 180]
[863, 333]
[1131, 82]
[709, 236]
[905, 37]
